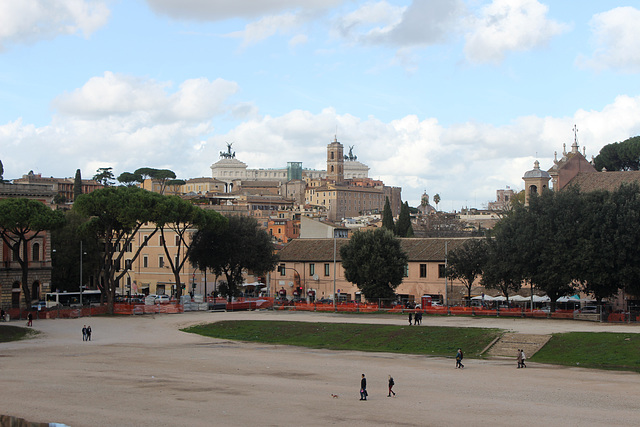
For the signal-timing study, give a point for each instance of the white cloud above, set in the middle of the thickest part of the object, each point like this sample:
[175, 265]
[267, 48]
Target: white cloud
[266, 27]
[617, 38]
[126, 122]
[297, 40]
[147, 100]
[419, 24]
[509, 25]
[26, 21]
[213, 10]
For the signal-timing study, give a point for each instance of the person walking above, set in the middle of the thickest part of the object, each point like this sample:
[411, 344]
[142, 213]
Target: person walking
[410, 317]
[363, 388]
[391, 384]
[2, 319]
[519, 358]
[88, 333]
[459, 357]
[523, 357]
[84, 333]
[418, 318]
[30, 319]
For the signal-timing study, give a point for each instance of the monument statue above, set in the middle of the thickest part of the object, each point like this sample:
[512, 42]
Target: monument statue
[228, 154]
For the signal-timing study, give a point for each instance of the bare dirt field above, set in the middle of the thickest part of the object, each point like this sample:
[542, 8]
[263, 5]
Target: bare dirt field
[142, 371]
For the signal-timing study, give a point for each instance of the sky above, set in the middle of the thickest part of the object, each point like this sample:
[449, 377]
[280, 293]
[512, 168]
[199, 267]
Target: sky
[452, 97]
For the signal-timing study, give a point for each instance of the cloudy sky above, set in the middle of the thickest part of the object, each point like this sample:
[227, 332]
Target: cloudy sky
[456, 97]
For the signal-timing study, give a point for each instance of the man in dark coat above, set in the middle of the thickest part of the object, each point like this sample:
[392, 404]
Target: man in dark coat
[363, 388]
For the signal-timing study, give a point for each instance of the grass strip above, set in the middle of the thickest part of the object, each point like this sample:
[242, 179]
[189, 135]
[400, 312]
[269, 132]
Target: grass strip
[15, 333]
[600, 350]
[430, 340]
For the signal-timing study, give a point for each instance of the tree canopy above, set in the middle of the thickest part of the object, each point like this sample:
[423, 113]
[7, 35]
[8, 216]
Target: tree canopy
[21, 221]
[77, 184]
[465, 263]
[129, 179]
[117, 213]
[403, 227]
[181, 216]
[232, 249]
[620, 156]
[375, 262]
[104, 176]
[387, 216]
[66, 241]
[568, 241]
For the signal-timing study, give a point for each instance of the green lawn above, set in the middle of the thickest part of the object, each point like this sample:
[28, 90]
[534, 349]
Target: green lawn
[15, 333]
[437, 341]
[601, 350]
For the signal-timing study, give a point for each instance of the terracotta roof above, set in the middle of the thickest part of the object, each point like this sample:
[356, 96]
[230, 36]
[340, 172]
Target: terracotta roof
[417, 249]
[609, 181]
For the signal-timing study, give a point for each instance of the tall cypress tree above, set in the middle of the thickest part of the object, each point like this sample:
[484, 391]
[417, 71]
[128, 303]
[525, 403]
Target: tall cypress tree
[387, 216]
[77, 185]
[403, 226]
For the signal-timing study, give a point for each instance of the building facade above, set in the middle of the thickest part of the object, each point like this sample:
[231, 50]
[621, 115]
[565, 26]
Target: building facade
[315, 266]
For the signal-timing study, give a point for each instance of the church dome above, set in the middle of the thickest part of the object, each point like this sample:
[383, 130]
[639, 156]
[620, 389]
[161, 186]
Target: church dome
[536, 172]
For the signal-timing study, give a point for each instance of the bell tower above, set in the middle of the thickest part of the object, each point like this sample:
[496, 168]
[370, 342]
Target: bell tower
[535, 181]
[335, 161]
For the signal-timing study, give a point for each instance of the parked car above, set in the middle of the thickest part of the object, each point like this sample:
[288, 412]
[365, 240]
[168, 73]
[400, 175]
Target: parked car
[162, 299]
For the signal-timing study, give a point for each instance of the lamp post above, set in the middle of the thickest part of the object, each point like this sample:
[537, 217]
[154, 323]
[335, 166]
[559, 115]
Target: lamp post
[80, 274]
[335, 307]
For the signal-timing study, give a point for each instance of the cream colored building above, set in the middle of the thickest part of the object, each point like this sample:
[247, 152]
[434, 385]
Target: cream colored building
[313, 260]
[151, 273]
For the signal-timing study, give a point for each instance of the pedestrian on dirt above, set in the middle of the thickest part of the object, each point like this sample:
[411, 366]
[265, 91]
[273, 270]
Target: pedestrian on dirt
[363, 388]
[84, 333]
[459, 357]
[410, 318]
[523, 358]
[30, 319]
[519, 358]
[391, 384]
[88, 333]
[418, 318]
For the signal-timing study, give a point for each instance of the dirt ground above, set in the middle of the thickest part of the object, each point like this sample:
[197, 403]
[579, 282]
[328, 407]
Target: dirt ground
[142, 371]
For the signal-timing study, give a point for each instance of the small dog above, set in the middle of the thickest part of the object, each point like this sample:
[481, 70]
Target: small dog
[335, 396]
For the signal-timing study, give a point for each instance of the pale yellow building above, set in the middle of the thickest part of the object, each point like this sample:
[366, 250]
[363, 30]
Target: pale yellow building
[315, 266]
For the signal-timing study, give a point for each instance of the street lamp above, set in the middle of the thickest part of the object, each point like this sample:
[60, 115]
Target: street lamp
[81, 274]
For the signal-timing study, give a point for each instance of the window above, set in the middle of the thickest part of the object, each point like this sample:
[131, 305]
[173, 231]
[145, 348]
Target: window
[312, 269]
[160, 261]
[283, 270]
[406, 270]
[423, 270]
[177, 240]
[145, 261]
[161, 240]
[176, 261]
[326, 269]
[35, 252]
[441, 271]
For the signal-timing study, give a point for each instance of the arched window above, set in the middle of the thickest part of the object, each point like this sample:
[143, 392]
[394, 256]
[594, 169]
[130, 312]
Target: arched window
[35, 252]
[533, 189]
[332, 155]
[331, 168]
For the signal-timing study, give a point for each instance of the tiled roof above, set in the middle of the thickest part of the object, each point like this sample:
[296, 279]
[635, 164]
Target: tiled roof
[609, 181]
[317, 250]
